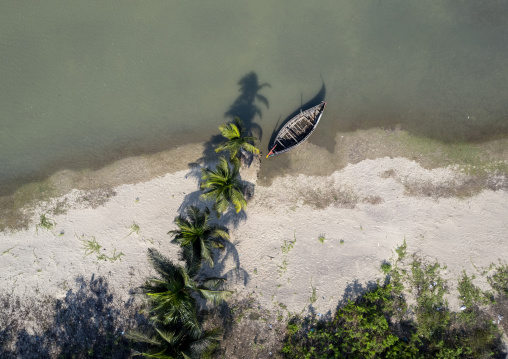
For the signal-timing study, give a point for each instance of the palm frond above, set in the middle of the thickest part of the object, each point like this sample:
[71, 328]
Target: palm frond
[223, 166]
[142, 338]
[161, 264]
[195, 215]
[206, 252]
[158, 355]
[212, 282]
[250, 148]
[235, 171]
[221, 206]
[204, 346]
[191, 259]
[226, 146]
[215, 296]
[170, 337]
[229, 131]
[239, 124]
[238, 200]
[220, 233]
[210, 195]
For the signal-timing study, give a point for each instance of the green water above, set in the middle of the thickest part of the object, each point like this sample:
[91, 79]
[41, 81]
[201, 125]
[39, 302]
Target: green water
[87, 82]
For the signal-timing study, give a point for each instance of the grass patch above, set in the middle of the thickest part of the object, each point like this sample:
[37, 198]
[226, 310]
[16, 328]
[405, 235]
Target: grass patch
[45, 223]
[91, 246]
[134, 229]
[8, 251]
[313, 295]
[285, 248]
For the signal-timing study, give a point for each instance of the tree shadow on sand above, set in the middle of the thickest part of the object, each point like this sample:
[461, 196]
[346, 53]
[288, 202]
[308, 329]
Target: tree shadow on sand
[89, 322]
[247, 106]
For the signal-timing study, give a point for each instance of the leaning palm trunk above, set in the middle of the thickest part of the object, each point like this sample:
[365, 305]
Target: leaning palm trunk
[223, 186]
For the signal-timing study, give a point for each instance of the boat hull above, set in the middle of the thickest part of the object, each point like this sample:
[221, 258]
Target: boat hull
[297, 130]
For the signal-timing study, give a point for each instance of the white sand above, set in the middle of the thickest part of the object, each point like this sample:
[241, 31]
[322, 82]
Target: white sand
[364, 205]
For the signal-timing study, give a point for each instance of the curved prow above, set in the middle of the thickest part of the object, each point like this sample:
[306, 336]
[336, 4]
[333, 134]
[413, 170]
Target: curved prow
[271, 152]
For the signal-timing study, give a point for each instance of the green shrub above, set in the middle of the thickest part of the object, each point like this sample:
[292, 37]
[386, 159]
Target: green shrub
[381, 323]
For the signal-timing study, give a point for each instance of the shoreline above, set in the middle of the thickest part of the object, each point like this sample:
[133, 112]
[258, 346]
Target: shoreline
[363, 211]
[480, 160]
[364, 195]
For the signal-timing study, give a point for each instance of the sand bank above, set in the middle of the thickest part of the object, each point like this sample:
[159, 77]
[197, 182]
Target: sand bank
[362, 211]
[367, 206]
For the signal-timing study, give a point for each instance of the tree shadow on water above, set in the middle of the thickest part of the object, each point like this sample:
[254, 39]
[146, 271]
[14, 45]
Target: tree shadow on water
[89, 322]
[246, 106]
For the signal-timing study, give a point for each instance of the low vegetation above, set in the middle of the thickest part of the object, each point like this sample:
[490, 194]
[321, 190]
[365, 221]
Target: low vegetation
[45, 223]
[407, 316]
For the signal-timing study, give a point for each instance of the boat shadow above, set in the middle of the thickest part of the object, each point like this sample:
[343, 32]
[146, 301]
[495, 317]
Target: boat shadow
[316, 100]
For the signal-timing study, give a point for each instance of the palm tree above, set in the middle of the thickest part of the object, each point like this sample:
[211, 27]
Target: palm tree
[194, 232]
[235, 139]
[172, 342]
[172, 295]
[223, 186]
[173, 309]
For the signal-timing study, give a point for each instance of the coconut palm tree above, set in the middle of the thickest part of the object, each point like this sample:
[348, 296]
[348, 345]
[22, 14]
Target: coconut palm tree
[194, 232]
[224, 186]
[172, 342]
[171, 295]
[233, 132]
[173, 309]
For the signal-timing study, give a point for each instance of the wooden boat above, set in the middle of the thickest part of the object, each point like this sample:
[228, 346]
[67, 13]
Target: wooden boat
[297, 130]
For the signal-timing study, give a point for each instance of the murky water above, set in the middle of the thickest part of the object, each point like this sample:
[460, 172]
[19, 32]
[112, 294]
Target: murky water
[86, 82]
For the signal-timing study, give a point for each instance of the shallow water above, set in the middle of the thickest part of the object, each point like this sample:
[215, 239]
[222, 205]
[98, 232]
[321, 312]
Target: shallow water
[85, 83]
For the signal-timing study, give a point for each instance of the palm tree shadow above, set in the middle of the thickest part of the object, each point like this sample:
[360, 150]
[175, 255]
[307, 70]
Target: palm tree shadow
[89, 321]
[235, 275]
[246, 107]
[246, 104]
[316, 100]
[192, 199]
[209, 155]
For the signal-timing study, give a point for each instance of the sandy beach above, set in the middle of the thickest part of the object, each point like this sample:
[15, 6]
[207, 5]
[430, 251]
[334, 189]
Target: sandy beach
[361, 211]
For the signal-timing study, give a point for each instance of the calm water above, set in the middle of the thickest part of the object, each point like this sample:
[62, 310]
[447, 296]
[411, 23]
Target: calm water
[86, 82]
